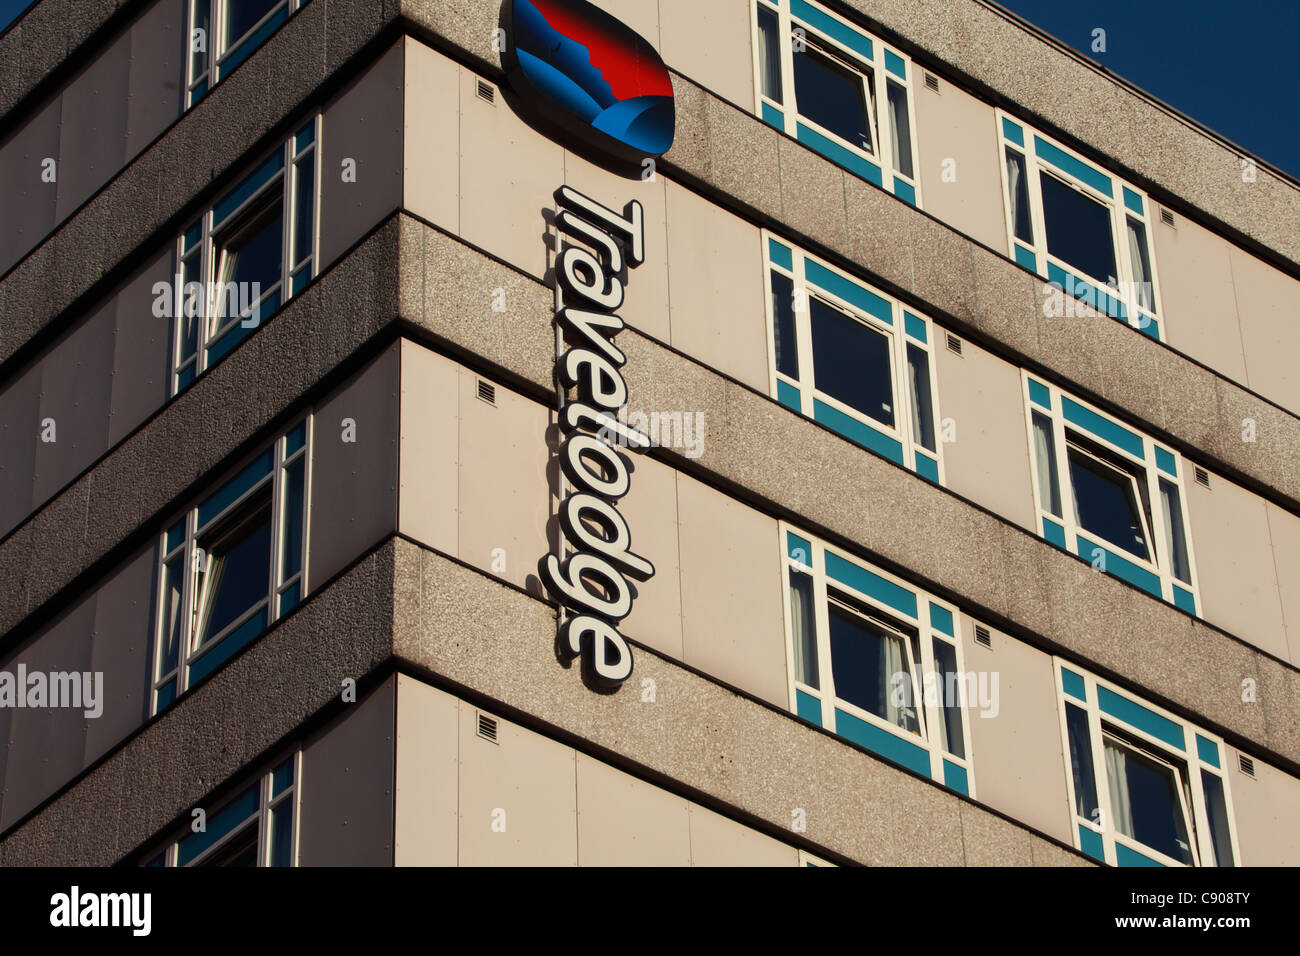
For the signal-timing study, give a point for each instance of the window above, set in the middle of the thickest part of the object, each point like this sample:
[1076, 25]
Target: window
[222, 35]
[231, 566]
[1110, 495]
[1146, 787]
[1081, 228]
[852, 359]
[256, 827]
[838, 90]
[233, 260]
[876, 661]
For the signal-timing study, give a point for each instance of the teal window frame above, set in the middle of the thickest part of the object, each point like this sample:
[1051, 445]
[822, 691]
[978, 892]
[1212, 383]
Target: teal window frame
[911, 338]
[1192, 754]
[1078, 427]
[803, 24]
[847, 581]
[278, 477]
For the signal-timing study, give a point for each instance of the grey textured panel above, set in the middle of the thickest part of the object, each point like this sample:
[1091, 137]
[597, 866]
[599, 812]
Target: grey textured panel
[363, 126]
[46, 745]
[156, 73]
[20, 406]
[122, 650]
[354, 474]
[347, 800]
[28, 201]
[76, 381]
[93, 143]
[141, 350]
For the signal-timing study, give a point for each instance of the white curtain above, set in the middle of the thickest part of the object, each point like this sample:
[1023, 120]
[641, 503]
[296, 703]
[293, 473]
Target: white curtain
[1175, 542]
[902, 129]
[1117, 781]
[805, 638]
[1137, 261]
[769, 60]
[1014, 173]
[895, 672]
[1049, 494]
[919, 416]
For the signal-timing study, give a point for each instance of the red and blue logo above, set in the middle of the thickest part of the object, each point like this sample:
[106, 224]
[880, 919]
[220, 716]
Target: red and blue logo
[592, 75]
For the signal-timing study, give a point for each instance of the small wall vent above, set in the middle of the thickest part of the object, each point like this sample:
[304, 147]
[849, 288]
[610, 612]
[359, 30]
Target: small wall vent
[487, 392]
[954, 344]
[982, 636]
[487, 92]
[1202, 477]
[1167, 218]
[487, 727]
[1246, 764]
[931, 82]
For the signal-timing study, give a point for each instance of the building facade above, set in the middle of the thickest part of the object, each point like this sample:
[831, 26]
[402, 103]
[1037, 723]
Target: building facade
[972, 494]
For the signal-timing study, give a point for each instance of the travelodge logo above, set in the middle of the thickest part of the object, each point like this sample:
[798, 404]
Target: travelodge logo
[591, 75]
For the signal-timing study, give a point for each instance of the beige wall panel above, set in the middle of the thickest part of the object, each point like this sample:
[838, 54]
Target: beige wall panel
[651, 512]
[430, 450]
[732, 618]
[1018, 756]
[623, 821]
[1234, 563]
[712, 44]
[989, 461]
[431, 144]
[531, 779]
[954, 125]
[1268, 829]
[1284, 530]
[717, 282]
[1268, 304]
[719, 841]
[428, 757]
[1199, 306]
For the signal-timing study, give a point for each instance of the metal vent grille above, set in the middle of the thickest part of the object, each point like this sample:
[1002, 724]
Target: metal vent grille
[487, 92]
[1202, 477]
[954, 344]
[932, 83]
[487, 392]
[982, 636]
[1167, 217]
[487, 727]
[1246, 764]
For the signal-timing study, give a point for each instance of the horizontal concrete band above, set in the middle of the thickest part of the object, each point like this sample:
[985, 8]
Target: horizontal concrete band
[744, 164]
[993, 568]
[42, 38]
[406, 604]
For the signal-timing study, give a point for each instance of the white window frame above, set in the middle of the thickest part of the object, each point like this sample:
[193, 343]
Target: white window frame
[1035, 168]
[1161, 562]
[1197, 816]
[210, 332]
[929, 713]
[189, 651]
[267, 802]
[876, 91]
[218, 52]
[896, 335]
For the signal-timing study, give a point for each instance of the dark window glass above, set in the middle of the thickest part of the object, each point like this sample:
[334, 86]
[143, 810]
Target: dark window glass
[851, 362]
[945, 665]
[787, 351]
[804, 622]
[241, 851]
[769, 54]
[1216, 808]
[243, 15]
[900, 124]
[291, 546]
[1144, 801]
[1078, 230]
[832, 96]
[1018, 188]
[303, 225]
[249, 254]
[918, 364]
[282, 834]
[238, 572]
[1105, 499]
[866, 663]
[1085, 780]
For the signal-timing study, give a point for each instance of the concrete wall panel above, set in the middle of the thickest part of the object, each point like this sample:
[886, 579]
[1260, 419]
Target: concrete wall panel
[157, 73]
[431, 139]
[430, 448]
[27, 202]
[1268, 304]
[428, 769]
[92, 145]
[141, 350]
[1268, 833]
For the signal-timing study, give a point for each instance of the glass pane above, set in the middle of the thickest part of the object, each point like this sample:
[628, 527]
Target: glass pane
[804, 622]
[228, 493]
[282, 778]
[871, 668]
[1085, 780]
[1049, 486]
[918, 365]
[242, 16]
[1018, 189]
[282, 834]
[1144, 801]
[1105, 502]
[851, 362]
[787, 351]
[199, 57]
[945, 665]
[1175, 533]
[191, 306]
[900, 124]
[219, 824]
[304, 229]
[1140, 262]
[295, 439]
[1078, 230]
[832, 96]
[769, 54]
[291, 546]
[237, 574]
[248, 262]
[1216, 808]
[240, 852]
[170, 633]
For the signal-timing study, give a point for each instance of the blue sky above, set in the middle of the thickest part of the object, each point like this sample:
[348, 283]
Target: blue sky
[1228, 65]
